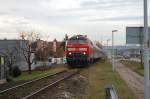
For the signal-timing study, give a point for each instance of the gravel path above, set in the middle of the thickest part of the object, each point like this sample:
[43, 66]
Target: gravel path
[134, 81]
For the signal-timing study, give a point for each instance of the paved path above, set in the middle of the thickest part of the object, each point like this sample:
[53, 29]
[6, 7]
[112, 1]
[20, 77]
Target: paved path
[133, 80]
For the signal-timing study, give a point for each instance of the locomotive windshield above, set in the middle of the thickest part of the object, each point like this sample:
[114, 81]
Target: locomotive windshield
[77, 41]
[80, 41]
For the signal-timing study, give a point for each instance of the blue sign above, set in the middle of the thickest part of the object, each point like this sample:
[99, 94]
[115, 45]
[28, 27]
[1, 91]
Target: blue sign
[135, 35]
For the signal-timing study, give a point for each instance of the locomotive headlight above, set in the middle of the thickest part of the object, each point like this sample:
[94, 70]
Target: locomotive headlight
[83, 49]
[71, 49]
[84, 53]
[70, 53]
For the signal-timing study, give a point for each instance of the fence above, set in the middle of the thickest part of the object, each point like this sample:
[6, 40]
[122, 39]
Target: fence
[2, 69]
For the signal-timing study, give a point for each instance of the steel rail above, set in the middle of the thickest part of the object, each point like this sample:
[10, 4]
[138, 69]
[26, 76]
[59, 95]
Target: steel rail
[49, 85]
[31, 81]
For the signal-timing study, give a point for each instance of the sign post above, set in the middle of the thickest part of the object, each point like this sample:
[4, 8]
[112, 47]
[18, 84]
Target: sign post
[140, 35]
[146, 52]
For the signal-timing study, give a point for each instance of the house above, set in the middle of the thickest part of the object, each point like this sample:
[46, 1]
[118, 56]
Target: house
[12, 49]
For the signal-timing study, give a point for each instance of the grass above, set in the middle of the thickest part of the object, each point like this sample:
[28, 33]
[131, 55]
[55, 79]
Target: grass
[37, 74]
[135, 66]
[101, 75]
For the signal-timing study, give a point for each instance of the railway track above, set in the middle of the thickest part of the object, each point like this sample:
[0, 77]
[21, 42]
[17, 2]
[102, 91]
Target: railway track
[28, 82]
[35, 87]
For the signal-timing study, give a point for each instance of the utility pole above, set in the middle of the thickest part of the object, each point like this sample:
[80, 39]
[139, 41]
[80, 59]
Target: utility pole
[146, 54]
[113, 63]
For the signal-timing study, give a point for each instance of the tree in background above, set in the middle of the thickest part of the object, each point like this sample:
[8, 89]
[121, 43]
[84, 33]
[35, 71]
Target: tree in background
[28, 53]
[63, 43]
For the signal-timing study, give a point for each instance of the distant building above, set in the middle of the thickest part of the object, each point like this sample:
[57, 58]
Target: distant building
[55, 49]
[131, 51]
[12, 49]
[54, 45]
[44, 50]
[39, 45]
[40, 48]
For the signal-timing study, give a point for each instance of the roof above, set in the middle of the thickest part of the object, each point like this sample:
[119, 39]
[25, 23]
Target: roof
[12, 40]
[78, 36]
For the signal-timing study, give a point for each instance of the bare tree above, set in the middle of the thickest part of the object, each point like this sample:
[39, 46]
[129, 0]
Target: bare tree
[64, 42]
[27, 48]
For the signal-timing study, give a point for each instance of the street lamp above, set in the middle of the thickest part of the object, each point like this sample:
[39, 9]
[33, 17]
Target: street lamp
[113, 63]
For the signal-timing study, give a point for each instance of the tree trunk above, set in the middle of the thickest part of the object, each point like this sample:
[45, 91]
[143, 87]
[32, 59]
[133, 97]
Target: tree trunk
[10, 69]
[141, 56]
[29, 68]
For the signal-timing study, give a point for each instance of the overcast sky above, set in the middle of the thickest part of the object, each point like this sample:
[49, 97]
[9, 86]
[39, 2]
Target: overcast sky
[55, 18]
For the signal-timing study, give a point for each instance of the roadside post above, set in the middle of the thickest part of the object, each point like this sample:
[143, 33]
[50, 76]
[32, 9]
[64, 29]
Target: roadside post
[110, 92]
[136, 35]
[146, 53]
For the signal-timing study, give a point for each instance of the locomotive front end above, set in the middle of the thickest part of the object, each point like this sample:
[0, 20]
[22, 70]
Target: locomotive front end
[77, 51]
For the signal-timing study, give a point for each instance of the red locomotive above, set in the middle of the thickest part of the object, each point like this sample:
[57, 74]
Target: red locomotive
[81, 50]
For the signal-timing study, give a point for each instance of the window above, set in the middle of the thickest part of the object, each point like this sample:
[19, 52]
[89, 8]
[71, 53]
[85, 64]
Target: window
[72, 42]
[82, 41]
[77, 41]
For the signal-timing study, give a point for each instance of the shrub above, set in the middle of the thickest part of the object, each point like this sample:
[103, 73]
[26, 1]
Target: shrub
[16, 71]
[9, 79]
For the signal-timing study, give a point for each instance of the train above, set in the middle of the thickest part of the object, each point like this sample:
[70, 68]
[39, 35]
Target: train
[81, 51]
